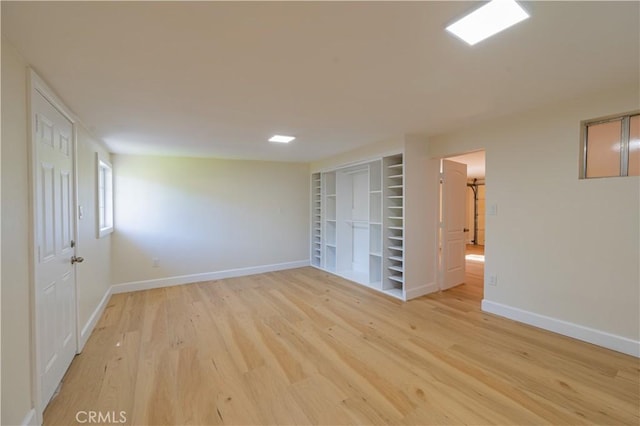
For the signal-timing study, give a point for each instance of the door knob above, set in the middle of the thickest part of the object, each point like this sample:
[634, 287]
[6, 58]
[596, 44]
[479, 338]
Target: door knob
[75, 259]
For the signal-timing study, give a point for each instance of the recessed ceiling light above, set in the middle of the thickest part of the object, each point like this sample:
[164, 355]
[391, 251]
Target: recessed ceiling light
[281, 138]
[490, 19]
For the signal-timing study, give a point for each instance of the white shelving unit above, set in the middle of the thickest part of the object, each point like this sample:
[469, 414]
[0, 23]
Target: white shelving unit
[362, 223]
[393, 223]
[316, 220]
[375, 224]
[329, 233]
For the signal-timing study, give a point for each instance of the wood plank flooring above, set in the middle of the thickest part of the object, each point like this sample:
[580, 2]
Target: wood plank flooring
[306, 347]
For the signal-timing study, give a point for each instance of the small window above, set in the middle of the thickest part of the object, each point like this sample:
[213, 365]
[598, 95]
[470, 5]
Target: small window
[611, 147]
[105, 197]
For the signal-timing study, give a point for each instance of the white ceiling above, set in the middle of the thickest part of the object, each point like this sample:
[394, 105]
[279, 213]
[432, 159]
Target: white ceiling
[218, 79]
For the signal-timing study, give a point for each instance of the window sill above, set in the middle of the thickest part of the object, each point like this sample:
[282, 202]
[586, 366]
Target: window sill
[103, 232]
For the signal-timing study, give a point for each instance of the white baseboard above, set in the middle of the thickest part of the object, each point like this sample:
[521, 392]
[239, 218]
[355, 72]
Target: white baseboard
[586, 334]
[422, 290]
[208, 276]
[93, 319]
[30, 419]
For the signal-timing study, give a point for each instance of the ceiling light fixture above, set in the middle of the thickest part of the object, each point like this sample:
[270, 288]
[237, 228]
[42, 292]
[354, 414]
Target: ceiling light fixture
[281, 138]
[490, 19]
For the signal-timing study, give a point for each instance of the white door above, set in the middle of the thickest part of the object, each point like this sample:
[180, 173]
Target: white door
[55, 229]
[454, 189]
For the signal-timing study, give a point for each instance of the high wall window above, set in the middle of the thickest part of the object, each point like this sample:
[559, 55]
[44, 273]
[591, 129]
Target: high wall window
[611, 147]
[105, 196]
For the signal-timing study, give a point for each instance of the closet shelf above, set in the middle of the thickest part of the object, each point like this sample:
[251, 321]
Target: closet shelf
[395, 292]
[396, 278]
[380, 232]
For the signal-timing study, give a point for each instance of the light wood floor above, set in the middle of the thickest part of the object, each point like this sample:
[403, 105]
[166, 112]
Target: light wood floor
[305, 347]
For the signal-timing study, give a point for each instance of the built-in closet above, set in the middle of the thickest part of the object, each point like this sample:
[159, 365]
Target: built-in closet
[358, 223]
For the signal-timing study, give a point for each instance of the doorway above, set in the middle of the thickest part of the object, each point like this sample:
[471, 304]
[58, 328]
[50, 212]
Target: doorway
[471, 257]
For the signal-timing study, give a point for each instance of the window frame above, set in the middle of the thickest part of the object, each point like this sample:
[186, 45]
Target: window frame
[625, 120]
[104, 196]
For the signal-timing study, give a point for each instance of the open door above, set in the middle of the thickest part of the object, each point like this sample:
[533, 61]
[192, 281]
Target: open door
[454, 189]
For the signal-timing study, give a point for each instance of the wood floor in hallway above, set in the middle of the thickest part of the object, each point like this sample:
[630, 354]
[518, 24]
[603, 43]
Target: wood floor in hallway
[306, 347]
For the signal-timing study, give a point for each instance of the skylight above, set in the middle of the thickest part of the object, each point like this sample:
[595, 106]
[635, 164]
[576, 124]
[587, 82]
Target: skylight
[281, 138]
[490, 19]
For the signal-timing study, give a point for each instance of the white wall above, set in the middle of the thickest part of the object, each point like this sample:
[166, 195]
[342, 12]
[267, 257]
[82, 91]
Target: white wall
[199, 216]
[421, 218]
[16, 323]
[93, 275]
[561, 247]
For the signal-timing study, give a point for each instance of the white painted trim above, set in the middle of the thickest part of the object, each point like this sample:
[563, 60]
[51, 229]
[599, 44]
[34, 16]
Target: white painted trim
[30, 419]
[102, 162]
[37, 83]
[412, 293]
[93, 319]
[208, 276]
[580, 332]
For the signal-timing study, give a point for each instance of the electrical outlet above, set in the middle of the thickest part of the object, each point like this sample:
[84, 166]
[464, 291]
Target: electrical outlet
[156, 262]
[493, 280]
